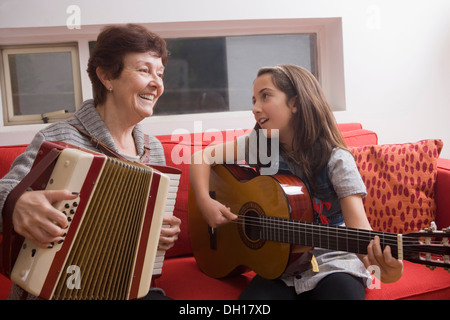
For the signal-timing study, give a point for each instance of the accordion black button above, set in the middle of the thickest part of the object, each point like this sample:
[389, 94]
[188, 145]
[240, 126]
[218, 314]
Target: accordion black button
[75, 204]
[67, 206]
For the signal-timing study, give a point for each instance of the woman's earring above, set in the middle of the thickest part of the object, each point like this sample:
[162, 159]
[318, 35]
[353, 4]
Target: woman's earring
[110, 89]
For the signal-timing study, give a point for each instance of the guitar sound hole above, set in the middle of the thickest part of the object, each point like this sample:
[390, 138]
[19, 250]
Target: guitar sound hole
[250, 225]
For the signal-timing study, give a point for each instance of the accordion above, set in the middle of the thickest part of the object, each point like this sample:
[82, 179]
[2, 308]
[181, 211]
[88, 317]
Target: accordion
[111, 244]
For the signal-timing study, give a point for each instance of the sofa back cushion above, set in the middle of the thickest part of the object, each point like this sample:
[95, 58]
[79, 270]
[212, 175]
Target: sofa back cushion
[7, 156]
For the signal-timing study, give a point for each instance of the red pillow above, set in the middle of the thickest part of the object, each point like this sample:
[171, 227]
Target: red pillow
[400, 180]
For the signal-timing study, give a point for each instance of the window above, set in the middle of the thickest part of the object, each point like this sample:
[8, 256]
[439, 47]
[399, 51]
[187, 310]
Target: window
[198, 85]
[41, 84]
[216, 74]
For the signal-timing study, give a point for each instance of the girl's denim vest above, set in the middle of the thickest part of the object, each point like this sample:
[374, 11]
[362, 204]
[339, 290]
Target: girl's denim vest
[325, 202]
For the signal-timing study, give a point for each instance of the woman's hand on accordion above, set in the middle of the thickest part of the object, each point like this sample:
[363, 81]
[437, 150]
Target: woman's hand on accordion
[36, 219]
[169, 234]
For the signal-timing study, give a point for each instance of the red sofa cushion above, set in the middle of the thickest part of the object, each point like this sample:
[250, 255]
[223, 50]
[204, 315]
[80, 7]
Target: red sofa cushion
[7, 156]
[184, 273]
[416, 283]
[5, 286]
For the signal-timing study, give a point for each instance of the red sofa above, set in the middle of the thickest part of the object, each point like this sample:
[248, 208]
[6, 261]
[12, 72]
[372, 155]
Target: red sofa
[182, 280]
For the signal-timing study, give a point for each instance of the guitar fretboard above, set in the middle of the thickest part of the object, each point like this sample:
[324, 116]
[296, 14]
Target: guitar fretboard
[322, 236]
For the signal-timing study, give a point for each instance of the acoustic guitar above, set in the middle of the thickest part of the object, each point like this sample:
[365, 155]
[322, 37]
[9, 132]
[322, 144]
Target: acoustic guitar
[275, 222]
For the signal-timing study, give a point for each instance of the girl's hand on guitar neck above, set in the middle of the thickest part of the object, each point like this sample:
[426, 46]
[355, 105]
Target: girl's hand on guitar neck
[215, 213]
[391, 269]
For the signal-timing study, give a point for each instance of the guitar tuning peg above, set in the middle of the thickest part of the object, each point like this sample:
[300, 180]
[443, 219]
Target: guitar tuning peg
[431, 228]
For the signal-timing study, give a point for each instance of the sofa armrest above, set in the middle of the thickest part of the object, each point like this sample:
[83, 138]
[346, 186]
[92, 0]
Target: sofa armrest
[442, 193]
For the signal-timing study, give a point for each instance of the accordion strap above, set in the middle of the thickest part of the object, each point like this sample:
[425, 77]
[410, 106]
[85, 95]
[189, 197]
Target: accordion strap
[12, 242]
[146, 157]
[101, 146]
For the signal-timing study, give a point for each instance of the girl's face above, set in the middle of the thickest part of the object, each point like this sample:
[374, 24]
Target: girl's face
[271, 110]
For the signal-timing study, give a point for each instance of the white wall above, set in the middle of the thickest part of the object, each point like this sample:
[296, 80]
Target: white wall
[396, 53]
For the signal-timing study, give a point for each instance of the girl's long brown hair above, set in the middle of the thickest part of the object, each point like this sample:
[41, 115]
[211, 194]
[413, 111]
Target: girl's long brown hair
[315, 129]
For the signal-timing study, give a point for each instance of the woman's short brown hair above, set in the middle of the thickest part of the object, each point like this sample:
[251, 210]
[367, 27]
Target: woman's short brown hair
[113, 43]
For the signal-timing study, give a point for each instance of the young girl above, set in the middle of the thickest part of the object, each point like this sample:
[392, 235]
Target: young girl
[288, 100]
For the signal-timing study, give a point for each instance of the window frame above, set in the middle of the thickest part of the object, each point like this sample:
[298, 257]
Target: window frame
[9, 118]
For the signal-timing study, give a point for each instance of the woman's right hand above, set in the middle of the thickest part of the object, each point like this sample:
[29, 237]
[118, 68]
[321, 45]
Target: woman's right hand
[215, 213]
[35, 218]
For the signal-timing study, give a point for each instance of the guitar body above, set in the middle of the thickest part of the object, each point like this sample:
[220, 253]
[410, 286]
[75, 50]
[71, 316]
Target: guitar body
[235, 247]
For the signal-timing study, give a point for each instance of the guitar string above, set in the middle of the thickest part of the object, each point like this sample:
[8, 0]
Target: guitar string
[410, 245]
[289, 226]
[337, 229]
[344, 233]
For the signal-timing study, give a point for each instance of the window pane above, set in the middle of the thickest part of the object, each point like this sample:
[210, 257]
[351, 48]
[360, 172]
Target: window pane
[216, 74]
[41, 82]
[247, 54]
[195, 79]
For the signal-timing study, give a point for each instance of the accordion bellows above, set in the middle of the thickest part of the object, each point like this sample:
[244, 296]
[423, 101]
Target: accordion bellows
[114, 226]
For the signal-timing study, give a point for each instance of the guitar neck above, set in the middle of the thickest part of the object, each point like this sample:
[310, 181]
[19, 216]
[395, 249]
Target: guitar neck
[336, 238]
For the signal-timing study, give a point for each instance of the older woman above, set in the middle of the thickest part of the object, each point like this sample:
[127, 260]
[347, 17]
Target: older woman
[126, 69]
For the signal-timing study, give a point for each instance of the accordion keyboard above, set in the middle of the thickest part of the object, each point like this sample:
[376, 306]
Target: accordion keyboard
[168, 211]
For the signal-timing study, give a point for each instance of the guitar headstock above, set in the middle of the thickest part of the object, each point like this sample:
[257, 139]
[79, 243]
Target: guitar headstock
[429, 247]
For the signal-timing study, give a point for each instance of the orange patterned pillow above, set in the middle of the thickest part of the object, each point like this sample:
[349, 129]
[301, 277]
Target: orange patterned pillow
[400, 181]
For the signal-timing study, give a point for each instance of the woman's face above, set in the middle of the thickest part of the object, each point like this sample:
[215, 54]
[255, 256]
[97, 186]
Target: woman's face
[139, 85]
[271, 110]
